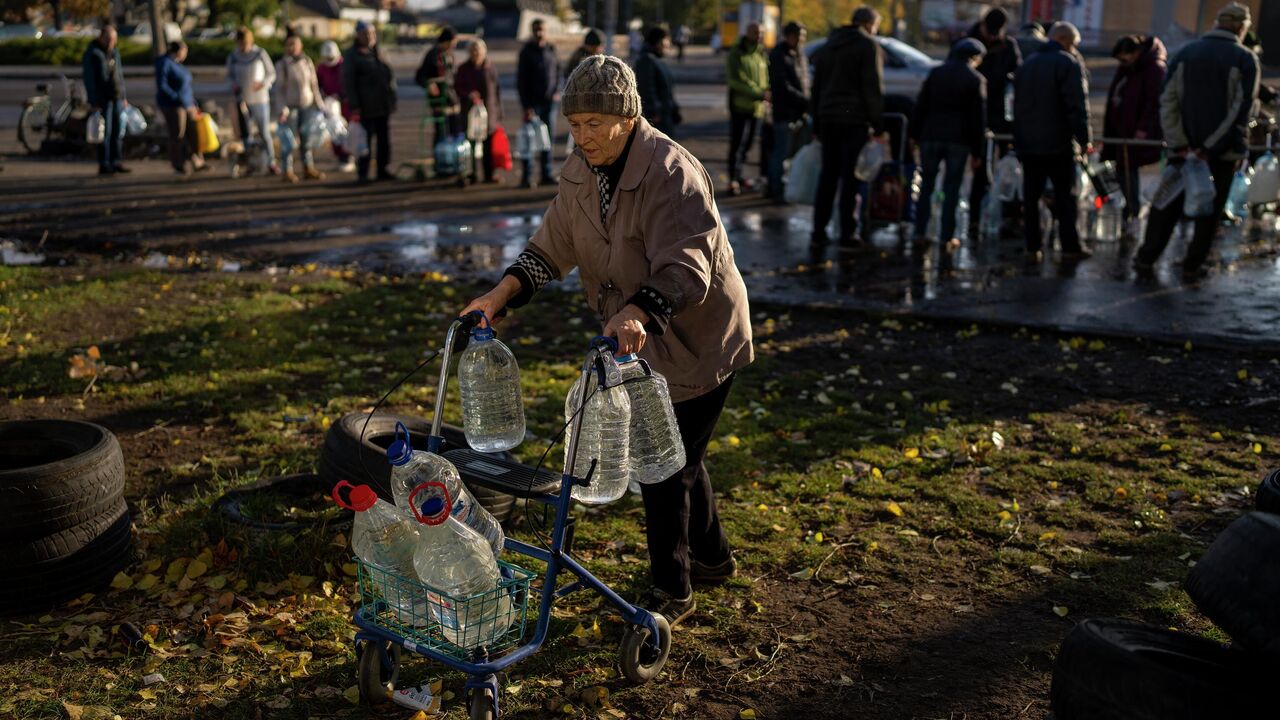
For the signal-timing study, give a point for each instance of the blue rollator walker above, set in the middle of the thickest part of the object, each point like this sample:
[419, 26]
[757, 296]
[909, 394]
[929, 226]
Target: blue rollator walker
[396, 612]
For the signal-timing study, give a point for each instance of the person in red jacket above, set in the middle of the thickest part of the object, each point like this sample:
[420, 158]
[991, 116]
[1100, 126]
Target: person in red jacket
[1133, 111]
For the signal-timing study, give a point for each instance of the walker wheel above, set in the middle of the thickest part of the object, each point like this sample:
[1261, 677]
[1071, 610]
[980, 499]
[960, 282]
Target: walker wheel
[481, 704]
[378, 669]
[640, 661]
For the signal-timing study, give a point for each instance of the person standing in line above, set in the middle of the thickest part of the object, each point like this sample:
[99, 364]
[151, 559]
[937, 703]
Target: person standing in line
[297, 101]
[592, 44]
[656, 86]
[436, 76]
[104, 89]
[329, 75]
[1133, 112]
[1000, 61]
[370, 88]
[1051, 97]
[680, 38]
[177, 102]
[847, 106]
[1030, 37]
[251, 74]
[1205, 107]
[747, 73]
[477, 83]
[538, 84]
[789, 85]
[950, 124]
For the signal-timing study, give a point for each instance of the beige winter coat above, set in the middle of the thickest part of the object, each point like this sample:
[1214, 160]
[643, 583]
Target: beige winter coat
[663, 231]
[296, 83]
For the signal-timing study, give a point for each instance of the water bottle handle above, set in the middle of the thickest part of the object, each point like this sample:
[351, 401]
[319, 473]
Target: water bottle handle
[610, 343]
[417, 510]
[644, 365]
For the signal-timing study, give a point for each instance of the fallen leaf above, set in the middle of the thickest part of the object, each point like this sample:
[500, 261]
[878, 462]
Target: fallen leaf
[817, 537]
[1121, 492]
[875, 473]
[893, 508]
[1040, 570]
[1060, 610]
[911, 453]
[1215, 436]
[997, 439]
[1047, 536]
[122, 581]
[747, 714]
[1257, 448]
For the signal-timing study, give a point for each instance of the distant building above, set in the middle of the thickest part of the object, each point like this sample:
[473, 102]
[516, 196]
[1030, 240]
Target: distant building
[330, 19]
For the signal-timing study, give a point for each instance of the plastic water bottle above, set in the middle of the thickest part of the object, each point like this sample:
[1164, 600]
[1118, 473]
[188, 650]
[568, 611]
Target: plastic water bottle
[992, 214]
[606, 426]
[411, 468]
[385, 538]
[1008, 99]
[465, 595]
[1110, 218]
[655, 447]
[1238, 197]
[489, 382]
[935, 213]
[1197, 199]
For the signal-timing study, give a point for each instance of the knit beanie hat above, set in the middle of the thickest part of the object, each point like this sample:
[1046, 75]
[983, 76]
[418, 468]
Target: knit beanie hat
[601, 84]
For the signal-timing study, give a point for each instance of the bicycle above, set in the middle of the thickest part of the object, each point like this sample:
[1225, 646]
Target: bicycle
[42, 123]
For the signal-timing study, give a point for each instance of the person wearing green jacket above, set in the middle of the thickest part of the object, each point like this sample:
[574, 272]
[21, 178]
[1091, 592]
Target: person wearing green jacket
[747, 72]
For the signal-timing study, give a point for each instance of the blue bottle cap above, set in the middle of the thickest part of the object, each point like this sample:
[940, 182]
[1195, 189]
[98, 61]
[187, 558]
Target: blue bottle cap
[432, 506]
[399, 453]
[627, 358]
[482, 334]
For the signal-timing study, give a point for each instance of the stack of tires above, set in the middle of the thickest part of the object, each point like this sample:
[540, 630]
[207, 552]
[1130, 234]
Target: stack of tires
[64, 525]
[357, 452]
[1117, 669]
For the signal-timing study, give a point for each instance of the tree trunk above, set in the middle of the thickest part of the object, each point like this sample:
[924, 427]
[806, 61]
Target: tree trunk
[55, 6]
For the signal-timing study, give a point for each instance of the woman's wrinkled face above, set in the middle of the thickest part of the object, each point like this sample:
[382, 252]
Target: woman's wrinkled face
[601, 137]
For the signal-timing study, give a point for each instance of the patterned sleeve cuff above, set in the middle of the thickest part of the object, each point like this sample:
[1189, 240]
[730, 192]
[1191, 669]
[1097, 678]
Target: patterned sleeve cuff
[533, 272]
[656, 305]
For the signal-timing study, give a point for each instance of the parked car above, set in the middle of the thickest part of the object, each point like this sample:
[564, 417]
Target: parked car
[21, 31]
[142, 32]
[905, 67]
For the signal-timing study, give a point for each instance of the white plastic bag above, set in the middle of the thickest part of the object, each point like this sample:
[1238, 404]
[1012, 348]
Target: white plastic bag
[477, 123]
[95, 129]
[802, 178]
[533, 138]
[357, 140]
[1265, 185]
[316, 131]
[134, 122]
[1197, 202]
[337, 125]
[873, 155]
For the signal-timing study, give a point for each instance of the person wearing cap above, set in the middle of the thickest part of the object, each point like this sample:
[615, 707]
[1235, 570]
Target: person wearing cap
[1133, 112]
[329, 75]
[1204, 111]
[538, 84]
[636, 215]
[592, 44]
[436, 76]
[1030, 37]
[847, 106]
[1051, 104]
[370, 88]
[657, 87]
[1001, 61]
[789, 83]
[950, 123]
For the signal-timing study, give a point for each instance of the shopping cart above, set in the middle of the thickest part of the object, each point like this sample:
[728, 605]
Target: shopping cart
[395, 613]
[889, 199]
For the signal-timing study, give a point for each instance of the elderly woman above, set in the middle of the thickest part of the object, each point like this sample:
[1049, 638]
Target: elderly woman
[476, 81]
[636, 215]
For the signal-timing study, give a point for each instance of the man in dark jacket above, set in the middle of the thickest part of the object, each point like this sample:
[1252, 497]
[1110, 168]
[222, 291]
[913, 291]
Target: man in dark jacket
[847, 104]
[789, 84]
[1204, 110]
[1002, 59]
[653, 79]
[950, 122]
[1051, 99]
[104, 88]
[538, 83]
[435, 75]
[370, 89]
[592, 44]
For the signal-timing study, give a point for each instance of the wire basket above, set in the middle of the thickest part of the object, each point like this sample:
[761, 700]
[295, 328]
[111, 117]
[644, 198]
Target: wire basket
[484, 624]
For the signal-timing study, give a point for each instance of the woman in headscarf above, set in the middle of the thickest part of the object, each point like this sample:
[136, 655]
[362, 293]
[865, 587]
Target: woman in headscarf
[636, 215]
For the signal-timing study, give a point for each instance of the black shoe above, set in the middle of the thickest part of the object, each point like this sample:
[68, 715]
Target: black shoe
[526, 185]
[1193, 274]
[712, 574]
[121, 169]
[106, 171]
[1077, 255]
[670, 607]
[819, 239]
[385, 176]
[1143, 269]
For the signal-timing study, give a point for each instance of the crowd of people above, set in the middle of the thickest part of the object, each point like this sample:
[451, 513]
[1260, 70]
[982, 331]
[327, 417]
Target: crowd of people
[1198, 104]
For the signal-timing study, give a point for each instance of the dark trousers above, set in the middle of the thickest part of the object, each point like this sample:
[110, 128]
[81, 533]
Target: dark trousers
[840, 147]
[543, 111]
[112, 148]
[1060, 170]
[742, 132]
[680, 512]
[183, 147]
[933, 154]
[778, 155]
[375, 127]
[1162, 223]
[1130, 187]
